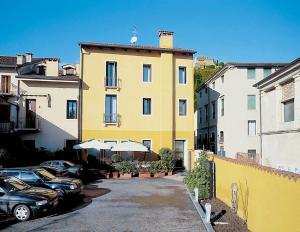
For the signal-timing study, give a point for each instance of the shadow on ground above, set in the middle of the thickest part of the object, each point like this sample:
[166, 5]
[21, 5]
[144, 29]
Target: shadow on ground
[89, 192]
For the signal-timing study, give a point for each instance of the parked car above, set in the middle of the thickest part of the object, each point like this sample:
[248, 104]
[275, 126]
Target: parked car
[56, 171]
[75, 169]
[23, 201]
[39, 177]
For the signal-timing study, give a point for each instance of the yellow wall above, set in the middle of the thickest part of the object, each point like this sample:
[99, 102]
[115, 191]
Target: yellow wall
[268, 201]
[164, 125]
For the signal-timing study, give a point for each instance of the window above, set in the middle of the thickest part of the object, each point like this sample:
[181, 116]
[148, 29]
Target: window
[251, 73]
[288, 108]
[222, 79]
[200, 115]
[29, 176]
[251, 127]
[251, 102]
[222, 107]
[251, 152]
[179, 150]
[146, 73]
[147, 143]
[206, 112]
[206, 90]
[213, 85]
[200, 94]
[182, 107]
[182, 75]
[110, 115]
[267, 72]
[213, 109]
[5, 84]
[71, 109]
[221, 136]
[146, 106]
[111, 74]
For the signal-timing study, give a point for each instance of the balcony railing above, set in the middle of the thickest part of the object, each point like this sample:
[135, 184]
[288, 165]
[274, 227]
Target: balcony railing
[112, 119]
[28, 125]
[10, 90]
[6, 127]
[111, 83]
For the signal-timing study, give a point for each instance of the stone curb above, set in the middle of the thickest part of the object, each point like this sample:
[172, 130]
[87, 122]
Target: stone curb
[201, 213]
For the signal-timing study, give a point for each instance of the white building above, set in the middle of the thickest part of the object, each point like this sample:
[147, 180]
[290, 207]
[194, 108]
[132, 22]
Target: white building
[228, 114]
[38, 102]
[280, 118]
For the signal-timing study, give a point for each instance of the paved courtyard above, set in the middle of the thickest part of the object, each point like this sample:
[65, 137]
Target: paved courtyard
[123, 205]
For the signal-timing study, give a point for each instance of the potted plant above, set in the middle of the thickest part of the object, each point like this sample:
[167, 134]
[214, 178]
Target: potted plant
[116, 158]
[159, 168]
[125, 168]
[167, 156]
[144, 169]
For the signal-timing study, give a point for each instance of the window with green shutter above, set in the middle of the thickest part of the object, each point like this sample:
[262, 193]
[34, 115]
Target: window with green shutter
[267, 72]
[251, 102]
[251, 73]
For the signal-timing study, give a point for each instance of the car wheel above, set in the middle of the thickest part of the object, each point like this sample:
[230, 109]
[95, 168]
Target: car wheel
[22, 212]
[61, 193]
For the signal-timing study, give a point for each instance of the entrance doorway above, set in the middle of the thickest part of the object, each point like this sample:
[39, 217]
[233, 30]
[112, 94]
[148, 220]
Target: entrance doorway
[179, 153]
[30, 113]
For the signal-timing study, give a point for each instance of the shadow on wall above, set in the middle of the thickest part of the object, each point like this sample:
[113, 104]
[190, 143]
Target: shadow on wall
[244, 196]
[209, 108]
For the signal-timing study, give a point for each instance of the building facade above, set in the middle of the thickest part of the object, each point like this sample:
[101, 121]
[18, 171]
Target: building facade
[228, 109]
[141, 93]
[280, 118]
[39, 103]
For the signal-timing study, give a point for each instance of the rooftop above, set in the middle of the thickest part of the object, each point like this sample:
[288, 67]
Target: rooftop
[136, 47]
[11, 61]
[49, 78]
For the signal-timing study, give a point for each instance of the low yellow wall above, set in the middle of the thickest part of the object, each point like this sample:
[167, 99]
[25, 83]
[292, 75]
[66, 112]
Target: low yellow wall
[268, 200]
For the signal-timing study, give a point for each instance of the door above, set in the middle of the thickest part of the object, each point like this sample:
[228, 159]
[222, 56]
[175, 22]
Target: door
[30, 113]
[179, 152]
[4, 113]
[4, 199]
[31, 179]
[5, 84]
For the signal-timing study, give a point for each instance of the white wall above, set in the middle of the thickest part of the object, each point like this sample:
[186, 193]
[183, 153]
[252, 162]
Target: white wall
[234, 123]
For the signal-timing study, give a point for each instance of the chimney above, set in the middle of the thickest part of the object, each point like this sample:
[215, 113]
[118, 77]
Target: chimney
[28, 57]
[165, 39]
[20, 59]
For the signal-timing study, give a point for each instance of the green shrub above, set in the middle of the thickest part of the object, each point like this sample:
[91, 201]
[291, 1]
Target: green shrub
[159, 166]
[199, 177]
[144, 166]
[125, 167]
[115, 158]
[167, 156]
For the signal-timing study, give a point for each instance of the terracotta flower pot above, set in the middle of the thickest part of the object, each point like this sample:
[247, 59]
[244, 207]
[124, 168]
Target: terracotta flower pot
[125, 176]
[115, 175]
[170, 173]
[159, 174]
[145, 174]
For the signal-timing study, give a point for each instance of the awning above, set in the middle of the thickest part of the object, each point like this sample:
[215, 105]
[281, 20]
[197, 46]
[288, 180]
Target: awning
[93, 144]
[129, 146]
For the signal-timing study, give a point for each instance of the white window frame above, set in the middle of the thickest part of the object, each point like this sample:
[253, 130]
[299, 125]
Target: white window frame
[146, 64]
[186, 74]
[186, 113]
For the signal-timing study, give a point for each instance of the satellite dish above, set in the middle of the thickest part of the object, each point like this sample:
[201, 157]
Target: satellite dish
[133, 39]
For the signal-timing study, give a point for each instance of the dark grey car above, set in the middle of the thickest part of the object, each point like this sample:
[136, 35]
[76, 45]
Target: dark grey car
[65, 165]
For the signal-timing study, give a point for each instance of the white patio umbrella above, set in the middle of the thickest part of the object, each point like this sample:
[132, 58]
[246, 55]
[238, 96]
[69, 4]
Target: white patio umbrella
[130, 146]
[93, 144]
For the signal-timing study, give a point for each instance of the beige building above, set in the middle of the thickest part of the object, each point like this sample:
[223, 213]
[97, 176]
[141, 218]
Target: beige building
[280, 118]
[40, 102]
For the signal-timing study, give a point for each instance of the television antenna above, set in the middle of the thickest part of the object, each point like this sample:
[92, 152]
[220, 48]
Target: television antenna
[133, 39]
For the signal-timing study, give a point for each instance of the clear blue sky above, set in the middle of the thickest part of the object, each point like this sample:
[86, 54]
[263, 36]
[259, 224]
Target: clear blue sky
[241, 30]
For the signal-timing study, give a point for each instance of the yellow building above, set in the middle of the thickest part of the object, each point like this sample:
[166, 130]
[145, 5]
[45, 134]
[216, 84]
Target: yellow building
[141, 93]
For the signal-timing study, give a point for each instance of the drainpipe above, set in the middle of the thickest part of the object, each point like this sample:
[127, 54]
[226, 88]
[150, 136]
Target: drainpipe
[260, 128]
[80, 97]
[208, 117]
[18, 107]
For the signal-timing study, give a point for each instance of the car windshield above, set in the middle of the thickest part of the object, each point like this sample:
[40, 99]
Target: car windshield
[12, 184]
[68, 164]
[44, 174]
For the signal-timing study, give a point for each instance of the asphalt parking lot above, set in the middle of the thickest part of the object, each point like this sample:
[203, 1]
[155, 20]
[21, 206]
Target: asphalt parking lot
[121, 205]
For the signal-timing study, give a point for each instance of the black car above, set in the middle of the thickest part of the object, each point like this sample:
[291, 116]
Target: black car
[65, 165]
[39, 177]
[23, 201]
